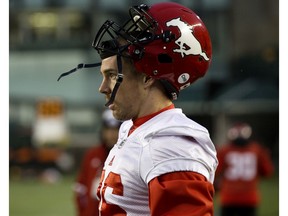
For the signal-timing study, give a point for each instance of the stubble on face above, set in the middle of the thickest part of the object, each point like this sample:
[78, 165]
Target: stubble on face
[128, 97]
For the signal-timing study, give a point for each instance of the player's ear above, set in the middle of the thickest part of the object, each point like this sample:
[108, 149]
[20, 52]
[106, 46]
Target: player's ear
[148, 80]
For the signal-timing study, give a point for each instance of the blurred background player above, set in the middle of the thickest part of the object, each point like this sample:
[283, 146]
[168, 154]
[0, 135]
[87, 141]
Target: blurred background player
[90, 171]
[241, 163]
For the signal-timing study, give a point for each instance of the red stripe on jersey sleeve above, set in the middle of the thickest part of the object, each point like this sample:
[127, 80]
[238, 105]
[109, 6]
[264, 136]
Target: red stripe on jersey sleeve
[181, 193]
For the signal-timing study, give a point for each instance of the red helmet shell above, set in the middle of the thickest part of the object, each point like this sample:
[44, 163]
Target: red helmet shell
[186, 57]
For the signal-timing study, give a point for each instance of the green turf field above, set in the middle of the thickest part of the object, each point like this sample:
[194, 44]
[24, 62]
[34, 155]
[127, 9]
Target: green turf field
[35, 198]
[270, 198]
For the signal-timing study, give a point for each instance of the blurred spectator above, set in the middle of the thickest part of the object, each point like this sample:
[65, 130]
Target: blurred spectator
[241, 163]
[90, 171]
[21, 152]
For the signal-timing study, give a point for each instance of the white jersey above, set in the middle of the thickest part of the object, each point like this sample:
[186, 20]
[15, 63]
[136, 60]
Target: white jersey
[166, 143]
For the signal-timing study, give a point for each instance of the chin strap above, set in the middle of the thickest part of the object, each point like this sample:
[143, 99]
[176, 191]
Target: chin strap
[118, 81]
[79, 66]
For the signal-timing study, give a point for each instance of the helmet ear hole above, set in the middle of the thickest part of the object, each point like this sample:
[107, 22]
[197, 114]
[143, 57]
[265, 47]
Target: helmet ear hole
[164, 58]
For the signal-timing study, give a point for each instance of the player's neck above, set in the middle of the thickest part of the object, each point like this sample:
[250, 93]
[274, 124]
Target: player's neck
[151, 108]
[139, 121]
[153, 100]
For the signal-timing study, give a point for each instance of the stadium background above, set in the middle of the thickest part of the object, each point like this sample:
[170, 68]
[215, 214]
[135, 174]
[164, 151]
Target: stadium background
[49, 37]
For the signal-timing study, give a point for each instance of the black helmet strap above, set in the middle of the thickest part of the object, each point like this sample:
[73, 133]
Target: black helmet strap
[118, 81]
[79, 66]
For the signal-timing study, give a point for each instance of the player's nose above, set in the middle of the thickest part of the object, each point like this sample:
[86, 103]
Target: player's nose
[104, 87]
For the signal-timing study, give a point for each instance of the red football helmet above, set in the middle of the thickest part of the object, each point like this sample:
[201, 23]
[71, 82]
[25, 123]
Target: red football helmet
[166, 41]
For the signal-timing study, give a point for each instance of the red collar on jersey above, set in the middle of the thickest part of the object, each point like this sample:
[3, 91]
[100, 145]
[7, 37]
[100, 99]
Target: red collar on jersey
[142, 120]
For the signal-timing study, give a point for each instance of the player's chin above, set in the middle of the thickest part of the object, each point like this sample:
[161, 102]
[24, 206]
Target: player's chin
[112, 106]
[118, 112]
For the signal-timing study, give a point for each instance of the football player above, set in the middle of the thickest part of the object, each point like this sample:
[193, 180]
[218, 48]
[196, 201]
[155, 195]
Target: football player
[242, 162]
[163, 162]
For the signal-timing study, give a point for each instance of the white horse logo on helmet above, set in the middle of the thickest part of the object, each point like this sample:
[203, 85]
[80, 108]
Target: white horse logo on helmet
[188, 44]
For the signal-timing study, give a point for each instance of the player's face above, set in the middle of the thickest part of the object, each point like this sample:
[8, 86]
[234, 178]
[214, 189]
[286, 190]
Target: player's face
[127, 103]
